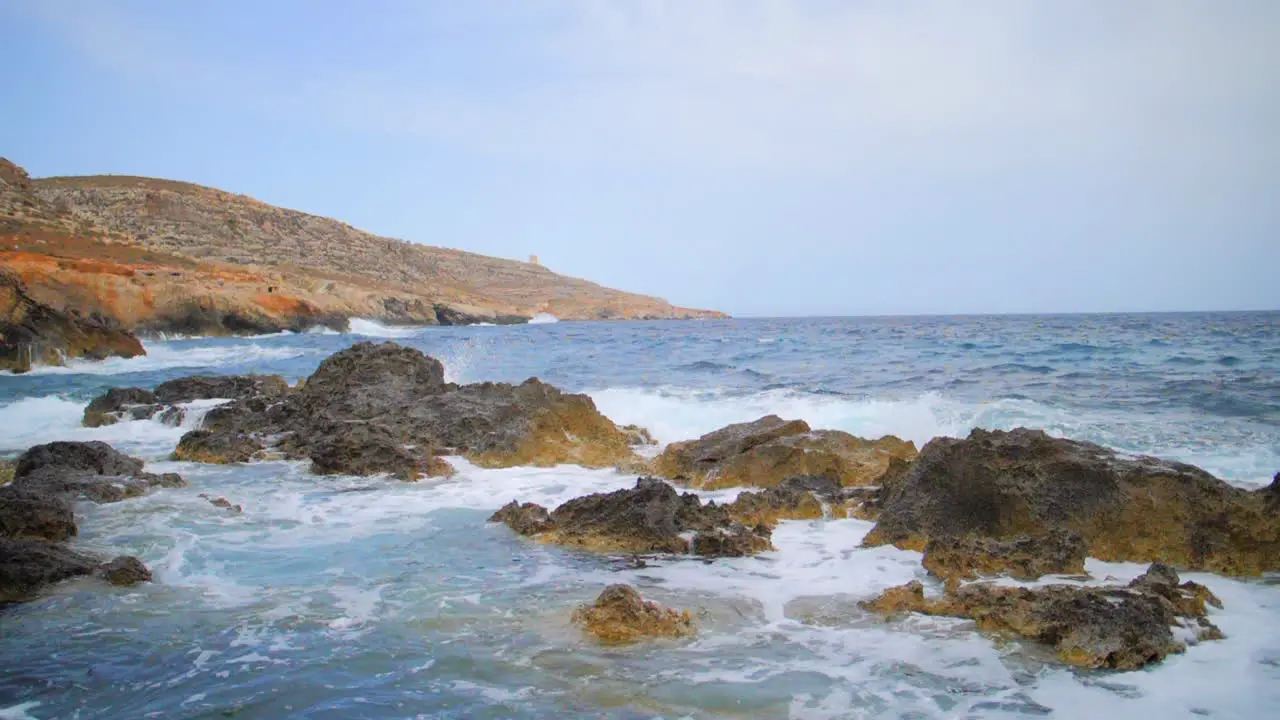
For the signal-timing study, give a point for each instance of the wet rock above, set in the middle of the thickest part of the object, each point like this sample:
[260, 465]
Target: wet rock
[798, 498]
[220, 448]
[1190, 598]
[1003, 485]
[620, 615]
[221, 502]
[224, 387]
[32, 333]
[91, 470]
[119, 404]
[125, 570]
[32, 515]
[651, 517]
[524, 518]
[637, 435]
[767, 451]
[28, 566]
[1115, 628]
[402, 393]
[1025, 557]
[362, 448]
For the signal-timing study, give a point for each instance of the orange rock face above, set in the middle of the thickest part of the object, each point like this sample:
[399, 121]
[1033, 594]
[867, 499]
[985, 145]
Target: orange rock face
[621, 616]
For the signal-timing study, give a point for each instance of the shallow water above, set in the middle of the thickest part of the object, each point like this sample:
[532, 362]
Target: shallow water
[365, 597]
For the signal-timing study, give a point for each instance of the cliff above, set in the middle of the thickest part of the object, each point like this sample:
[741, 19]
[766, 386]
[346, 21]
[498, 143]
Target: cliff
[165, 256]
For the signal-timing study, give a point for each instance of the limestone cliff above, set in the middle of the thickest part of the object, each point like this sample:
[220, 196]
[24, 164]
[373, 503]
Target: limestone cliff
[158, 255]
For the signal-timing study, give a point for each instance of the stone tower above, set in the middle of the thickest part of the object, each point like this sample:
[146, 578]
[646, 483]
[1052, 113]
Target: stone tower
[533, 260]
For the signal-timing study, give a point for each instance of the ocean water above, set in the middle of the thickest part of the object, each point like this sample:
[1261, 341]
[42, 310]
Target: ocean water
[365, 597]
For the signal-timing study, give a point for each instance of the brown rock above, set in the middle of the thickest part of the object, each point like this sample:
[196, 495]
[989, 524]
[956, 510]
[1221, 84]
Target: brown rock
[28, 566]
[637, 435]
[125, 570]
[90, 470]
[620, 616]
[1024, 557]
[118, 404]
[1003, 485]
[798, 498]
[26, 514]
[1115, 628]
[206, 446]
[651, 517]
[765, 452]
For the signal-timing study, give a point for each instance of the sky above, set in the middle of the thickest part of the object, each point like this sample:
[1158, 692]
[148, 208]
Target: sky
[761, 157]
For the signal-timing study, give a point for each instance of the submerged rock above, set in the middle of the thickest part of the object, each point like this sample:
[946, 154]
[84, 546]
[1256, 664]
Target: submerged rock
[1003, 485]
[1115, 628]
[620, 615]
[1025, 557]
[767, 451]
[125, 570]
[119, 404]
[651, 517]
[32, 333]
[29, 566]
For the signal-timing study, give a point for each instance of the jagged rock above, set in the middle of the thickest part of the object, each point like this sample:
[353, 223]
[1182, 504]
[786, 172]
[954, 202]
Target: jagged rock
[637, 435]
[32, 333]
[225, 387]
[765, 452]
[118, 404]
[206, 446]
[125, 570]
[620, 615]
[797, 498]
[361, 448]
[27, 566]
[32, 515]
[402, 393]
[1003, 485]
[1116, 628]
[1190, 598]
[92, 470]
[221, 502]
[651, 517]
[524, 518]
[1025, 557]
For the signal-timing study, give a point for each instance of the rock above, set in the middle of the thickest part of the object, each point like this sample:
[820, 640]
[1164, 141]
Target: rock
[765, 452]
[1115, 628]
[27, 566]
[620, 615]
[118, 404]
[32, 333]
[25, 514]
[361, 448]
[1190, 598]
[92, 470]
[1003, 485]
[1025, 557]
[798, 498]
[221, 502]
[524, 518]
[637, 435]
[206, 446]
[651, 517]
[6, 472]
[220, 387]
[125, 570]
[401, 399]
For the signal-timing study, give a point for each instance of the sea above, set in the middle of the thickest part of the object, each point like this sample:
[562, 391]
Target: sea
[365, 597]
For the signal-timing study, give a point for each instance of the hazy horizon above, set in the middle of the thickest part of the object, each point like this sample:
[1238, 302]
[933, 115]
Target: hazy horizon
[806, 159]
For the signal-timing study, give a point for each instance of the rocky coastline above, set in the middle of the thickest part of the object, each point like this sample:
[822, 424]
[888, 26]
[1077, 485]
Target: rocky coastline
[1003, 520]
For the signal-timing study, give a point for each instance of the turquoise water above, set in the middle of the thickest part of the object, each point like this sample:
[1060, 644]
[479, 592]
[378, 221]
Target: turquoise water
[364, 597]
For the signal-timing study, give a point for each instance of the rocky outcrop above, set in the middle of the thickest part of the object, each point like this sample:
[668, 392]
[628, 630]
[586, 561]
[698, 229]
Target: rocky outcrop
[621, 616]
[138, 404]
[1026, 557]
[649, 518]
[387, 408]
[1003, 485]
[90, 470]
[226, 448]
[767, 451]
[1114, 628]
[36, 514]
[32, 333]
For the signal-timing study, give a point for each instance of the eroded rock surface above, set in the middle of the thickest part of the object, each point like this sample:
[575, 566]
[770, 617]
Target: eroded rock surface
[25, 514]
[29, 566]
[620, 616]
[1026, 557]
[1003, 485]
[1115, 628]
[119, 404]
[90, 470]
[651, 517]
[767, 451]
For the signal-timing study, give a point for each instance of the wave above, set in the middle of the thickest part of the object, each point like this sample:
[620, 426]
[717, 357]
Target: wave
[171, 355]
[373, 328]
[543, 319]
[37, 420]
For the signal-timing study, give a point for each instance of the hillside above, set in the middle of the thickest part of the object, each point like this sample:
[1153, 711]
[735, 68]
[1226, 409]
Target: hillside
[160, 255]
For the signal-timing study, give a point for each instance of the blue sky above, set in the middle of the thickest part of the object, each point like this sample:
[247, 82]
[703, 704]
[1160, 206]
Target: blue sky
[759, 157]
